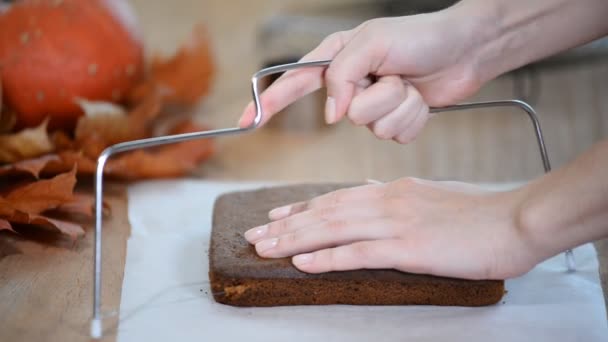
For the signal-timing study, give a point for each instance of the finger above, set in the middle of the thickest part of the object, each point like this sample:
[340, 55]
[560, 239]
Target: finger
[395, 122]
[297, 83]
[377, 100]
[378, 254]
[462, 187]
[359, 58]
[363, 84]
[410, 133]
[364, 192]
[362, 210]
[324, 235]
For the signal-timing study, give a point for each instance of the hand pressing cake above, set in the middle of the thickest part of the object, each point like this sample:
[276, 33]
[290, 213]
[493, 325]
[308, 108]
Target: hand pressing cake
[240, 277]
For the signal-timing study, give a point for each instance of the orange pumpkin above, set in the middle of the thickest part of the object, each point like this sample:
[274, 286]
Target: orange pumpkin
[55, 51]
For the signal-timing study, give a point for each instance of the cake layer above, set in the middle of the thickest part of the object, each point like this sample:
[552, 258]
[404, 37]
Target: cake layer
[240, 277]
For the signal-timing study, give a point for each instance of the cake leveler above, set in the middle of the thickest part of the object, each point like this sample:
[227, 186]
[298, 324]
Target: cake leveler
[96, 322]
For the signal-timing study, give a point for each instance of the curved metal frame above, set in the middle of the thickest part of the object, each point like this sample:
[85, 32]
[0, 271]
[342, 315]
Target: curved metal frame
[96, 322]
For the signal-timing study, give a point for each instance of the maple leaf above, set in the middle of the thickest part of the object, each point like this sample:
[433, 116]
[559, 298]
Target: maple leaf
[70, 159]
[70, 229]
[81, 204]
[105, 124]
[35, 198]
[27, 143]
[5, 225]
[168, 161]
[25, 204]
[182, 79]
[32, 166]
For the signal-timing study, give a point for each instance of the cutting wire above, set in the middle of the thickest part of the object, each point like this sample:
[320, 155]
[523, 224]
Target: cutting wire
[96, 328]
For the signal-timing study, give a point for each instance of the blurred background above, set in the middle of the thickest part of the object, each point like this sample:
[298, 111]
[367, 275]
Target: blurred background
[568, 91]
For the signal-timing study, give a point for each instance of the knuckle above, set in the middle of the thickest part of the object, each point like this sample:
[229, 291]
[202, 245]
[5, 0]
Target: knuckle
[390, 206]
[336, 226]
[362, 251]
[405, 184]
[371, 25]
[335, 40]
[357, 117]
[396, 83]
[333, 75]
[330, 258]
[293, 238]
[355, 114]
[278, 227]
[325, 212]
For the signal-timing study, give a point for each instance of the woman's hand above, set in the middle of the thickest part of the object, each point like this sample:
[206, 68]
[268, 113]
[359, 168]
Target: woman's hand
[440, 228]
[414, 62]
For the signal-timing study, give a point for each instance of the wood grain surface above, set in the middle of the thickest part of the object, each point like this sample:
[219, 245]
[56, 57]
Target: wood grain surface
[46, 283]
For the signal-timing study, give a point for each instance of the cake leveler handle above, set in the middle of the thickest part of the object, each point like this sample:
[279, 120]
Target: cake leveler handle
[96, 322]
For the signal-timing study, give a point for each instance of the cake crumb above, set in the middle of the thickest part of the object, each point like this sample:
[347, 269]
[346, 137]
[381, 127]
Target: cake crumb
[235, 291]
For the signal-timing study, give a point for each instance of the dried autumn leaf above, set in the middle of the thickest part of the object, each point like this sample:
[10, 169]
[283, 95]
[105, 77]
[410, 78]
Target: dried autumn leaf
[106, 124]
[5, 225]
[84, 164]
[37, 197]
[98, 129]
[70, 229]
[32, 167]
[73, 230]
[82, 204]
[67, 161]
[6, 209]
[145, 112]
[182, 79]
[96, 108]
[168, 161]
[62, 141]
[28, 143]
[24, 204]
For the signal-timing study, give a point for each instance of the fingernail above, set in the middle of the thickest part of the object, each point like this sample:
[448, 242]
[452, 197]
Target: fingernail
[330, 110]
[302, 259]
[255, 234]
[266, 245]
[279, 213]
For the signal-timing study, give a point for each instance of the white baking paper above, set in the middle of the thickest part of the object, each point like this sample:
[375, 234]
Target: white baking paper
[165, 294]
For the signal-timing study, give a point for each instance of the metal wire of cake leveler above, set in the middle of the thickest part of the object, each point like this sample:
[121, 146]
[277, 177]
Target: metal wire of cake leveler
[96, 322]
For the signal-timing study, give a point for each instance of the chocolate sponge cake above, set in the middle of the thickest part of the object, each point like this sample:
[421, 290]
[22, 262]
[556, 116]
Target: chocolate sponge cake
[240, 278]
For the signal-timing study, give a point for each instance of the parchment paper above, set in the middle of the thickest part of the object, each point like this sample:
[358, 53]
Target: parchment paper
[165, 295]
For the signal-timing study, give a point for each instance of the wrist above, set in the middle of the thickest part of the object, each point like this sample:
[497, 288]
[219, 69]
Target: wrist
[474, 25]
[530, 225]
[546, 220]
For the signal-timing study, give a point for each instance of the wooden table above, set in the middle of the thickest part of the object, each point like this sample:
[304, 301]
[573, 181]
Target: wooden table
[45, 292]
